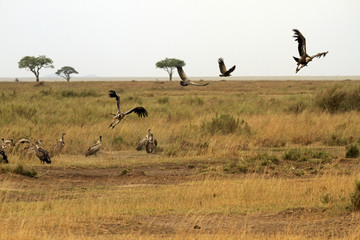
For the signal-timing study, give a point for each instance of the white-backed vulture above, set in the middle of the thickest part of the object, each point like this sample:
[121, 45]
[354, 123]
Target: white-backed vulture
[304, 57]
[224, 72]
[41, 153]
[185, 81]
[151, 144]
[94, 149]
[140, 111]
[56, 149]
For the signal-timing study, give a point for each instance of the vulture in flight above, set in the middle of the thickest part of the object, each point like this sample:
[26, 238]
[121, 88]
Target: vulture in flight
[304, 57]
[224, 72]
[140, 111]
[184, 79]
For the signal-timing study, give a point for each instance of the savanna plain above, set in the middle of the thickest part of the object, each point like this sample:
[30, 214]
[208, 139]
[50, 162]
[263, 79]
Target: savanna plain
[235, 160]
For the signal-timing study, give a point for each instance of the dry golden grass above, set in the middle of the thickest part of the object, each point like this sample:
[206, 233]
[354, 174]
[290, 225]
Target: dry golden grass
[276, 198]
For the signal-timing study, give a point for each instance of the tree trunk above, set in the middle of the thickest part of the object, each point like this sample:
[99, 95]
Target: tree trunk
[37, 77]
[170, 76]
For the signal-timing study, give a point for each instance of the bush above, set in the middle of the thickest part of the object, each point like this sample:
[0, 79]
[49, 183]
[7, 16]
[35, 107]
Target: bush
[355, 197]
[19, 169]
[339, 98]
[225, 124]
[353, 151]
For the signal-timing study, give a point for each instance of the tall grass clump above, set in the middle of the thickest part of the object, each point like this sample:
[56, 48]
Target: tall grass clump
[339, 98]
[20, 170]
[225, 124]
[304, 154]
[353, 151]
[355, 197]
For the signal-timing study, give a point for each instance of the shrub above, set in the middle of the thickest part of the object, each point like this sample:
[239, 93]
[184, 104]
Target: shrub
[353, 151]
[225, 124]
[339, 98]
[19, 169]
[355, 197]
[300, 155]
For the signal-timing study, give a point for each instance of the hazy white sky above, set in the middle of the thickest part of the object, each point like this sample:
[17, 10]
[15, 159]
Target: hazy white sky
[120, 38]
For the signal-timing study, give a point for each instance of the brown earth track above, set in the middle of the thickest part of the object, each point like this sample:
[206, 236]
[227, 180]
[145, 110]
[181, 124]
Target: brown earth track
[305, 222]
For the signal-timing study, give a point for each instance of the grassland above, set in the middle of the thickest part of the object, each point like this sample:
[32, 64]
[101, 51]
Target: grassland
[236, 160]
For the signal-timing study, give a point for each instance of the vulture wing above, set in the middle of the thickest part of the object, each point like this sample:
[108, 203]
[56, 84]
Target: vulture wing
[197, 84]
[113, 94]
[182, 74]
[319, 55]
[140, 111]
[302, 42]
[222, 66]
[227, 73]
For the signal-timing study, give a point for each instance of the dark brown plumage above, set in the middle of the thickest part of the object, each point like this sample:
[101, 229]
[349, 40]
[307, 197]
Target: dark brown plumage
[42, 154]
[185, 81]
[304, 57]
[223, 70]
[140, 111]
[3, 156]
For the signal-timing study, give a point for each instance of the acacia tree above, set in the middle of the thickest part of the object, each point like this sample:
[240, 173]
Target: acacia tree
[65, 72]
[34, 64]
[169, 64]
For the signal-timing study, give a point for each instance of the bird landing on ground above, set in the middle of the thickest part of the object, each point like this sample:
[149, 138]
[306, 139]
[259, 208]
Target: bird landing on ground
[185, 81]
[140, 111]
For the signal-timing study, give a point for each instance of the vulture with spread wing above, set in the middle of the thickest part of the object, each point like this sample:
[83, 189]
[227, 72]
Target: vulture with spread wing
[140, 111]
[185, 80]
[304, 57]
[223, 70]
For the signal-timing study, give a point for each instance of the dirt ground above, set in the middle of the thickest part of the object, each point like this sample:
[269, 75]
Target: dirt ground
[311, 222]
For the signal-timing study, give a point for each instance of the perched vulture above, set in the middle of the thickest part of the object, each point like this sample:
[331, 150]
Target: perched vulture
[94, 149]
[185, 80]
[224, 72]
[41, 153]
[304, 57]
[140, 111]
[56, 148]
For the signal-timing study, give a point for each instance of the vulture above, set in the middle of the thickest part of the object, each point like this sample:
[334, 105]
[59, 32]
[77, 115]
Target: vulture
[304, 57]
[185, 80]
[56, 149]
[151, 143]
[4, 157]
[94, 148]
[41, 153]
[2, 146]
[140, 111]
[24, 140]
[143, 141]
[9, 142]
[224, 72]
[148, 141]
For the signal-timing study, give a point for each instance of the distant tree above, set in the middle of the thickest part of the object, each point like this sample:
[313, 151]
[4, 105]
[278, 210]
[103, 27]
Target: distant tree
[65, 72]
[34, 64]
[169, 64]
